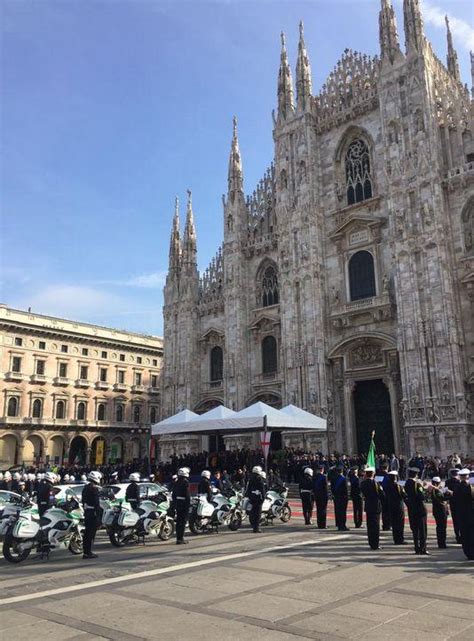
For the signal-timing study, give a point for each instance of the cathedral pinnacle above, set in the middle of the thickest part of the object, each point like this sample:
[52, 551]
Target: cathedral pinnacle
[285, 84]
[189, 238]
[389, 43]
[235, 175]
[413, 24]
[303, 74]
[471, 53]
[175, 242]
[452, 57]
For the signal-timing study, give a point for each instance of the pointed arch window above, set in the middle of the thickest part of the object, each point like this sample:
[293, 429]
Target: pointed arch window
[362, 276]
[12, 409]
[81, 411]
[358, 174]
[269, 355]
[119, 413]
[216, 361]
[60, 409]
[37, 408]
[101, 412]
[270, 292]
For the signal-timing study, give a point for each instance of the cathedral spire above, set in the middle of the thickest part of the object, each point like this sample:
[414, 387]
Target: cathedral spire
[175, 242]
[471, 53]
[413, 24]
[389, 43]
[235, 176]
[303, 74]
[189, 238]
[452, 57]
[285, 84]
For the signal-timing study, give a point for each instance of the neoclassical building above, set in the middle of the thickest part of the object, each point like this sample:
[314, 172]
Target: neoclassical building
[74, 392]
[345, 281]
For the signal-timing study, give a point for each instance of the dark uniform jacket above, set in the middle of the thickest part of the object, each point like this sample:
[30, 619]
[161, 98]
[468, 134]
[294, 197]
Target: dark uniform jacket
[372, 493]
[355, 486]
[415, 497]
[44, 497]
[90, 499]
[256, 489]
[205, 487]
[132, 495]
[439, 501]
[320, 485]
[339, 487]
[463, 499]
[395, 495]
[306, 487]
[180, 493]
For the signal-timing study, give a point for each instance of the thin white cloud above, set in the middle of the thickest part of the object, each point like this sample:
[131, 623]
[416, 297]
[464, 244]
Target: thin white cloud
[153, 280]
[462, 31]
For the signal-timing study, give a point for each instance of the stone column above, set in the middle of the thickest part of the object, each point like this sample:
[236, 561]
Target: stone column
[392, 390]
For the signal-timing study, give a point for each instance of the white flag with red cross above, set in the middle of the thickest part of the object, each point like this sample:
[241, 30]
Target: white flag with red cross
[265, 438]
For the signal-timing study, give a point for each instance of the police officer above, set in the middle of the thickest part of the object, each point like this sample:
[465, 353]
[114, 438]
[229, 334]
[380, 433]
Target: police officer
[320, 489]
[92, 510]
[44, 495]
[451, 484]
[395, 498]
[256, 495]
[181, 501]
[306, 494]
[356, 498]
[205, 486]
[341, 498]
[372, 492]
[439, 503]
[416, 510]
[464, 502]
[386, 524]
[132, 493]
[7, 482]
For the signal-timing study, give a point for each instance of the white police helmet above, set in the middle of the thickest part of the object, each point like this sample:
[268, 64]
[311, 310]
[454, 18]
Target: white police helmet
[206, 474]
[72, 479]
[66, 478]
[94, 477]
[134, 476]
[83, 477]
[183, 471]
[263, 475]
[256, 469]
[8, 476]
[16, 476]
[50, 477]
[308, 471]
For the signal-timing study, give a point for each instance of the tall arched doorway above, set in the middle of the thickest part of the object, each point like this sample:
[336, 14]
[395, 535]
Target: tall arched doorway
[98, 451]
[116, 450]
[373, 412]
[78, 451]
[8, 451]
[56, 450]
[32, 450]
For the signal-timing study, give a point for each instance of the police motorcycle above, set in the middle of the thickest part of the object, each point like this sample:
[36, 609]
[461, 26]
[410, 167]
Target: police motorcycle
[224, 509]
[150, 518]
[61, 525]
[17, 506]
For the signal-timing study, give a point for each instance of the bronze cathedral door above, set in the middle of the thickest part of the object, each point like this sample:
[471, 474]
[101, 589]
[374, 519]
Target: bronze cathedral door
[372, 412]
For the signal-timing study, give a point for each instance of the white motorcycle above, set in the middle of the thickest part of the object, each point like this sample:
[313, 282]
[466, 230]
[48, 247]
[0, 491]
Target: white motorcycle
[15, 509]
[205, 516]
[125, 525]
[61, 525]
[274, 506]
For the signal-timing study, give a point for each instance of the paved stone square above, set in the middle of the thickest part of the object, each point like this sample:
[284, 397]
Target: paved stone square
[291, 582]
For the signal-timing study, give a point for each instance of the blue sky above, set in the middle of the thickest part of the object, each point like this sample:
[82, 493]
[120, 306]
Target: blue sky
[111, 108]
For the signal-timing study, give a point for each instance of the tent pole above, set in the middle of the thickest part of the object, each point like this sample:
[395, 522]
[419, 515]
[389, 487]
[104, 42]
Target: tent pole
[266, 457]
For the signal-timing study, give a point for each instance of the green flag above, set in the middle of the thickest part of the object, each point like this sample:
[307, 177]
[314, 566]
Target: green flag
[371, 454]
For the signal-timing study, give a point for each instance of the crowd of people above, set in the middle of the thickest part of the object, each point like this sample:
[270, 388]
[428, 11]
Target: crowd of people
[381, 491]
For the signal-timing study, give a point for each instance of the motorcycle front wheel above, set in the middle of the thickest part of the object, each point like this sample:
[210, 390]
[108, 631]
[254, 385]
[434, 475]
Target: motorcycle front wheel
[166, 530]
[118, 538]
[285, 513]
[235, 522]
[11, 551]
[75, 544]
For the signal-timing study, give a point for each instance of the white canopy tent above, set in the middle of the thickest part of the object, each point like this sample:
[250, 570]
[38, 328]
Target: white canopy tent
[255, 418]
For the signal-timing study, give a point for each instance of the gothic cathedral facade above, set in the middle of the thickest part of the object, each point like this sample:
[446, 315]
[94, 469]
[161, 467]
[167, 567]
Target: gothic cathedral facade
[345, 281]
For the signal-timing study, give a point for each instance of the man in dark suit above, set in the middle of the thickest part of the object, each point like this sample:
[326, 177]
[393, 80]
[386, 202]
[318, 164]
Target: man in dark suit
[341, 498]
[320, 486]
[416, 510]
[395, 499]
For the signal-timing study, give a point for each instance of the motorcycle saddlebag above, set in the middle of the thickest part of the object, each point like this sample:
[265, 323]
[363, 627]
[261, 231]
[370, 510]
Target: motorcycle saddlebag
[25, 529]
[128, 518]
[109, 516]
[205, 508]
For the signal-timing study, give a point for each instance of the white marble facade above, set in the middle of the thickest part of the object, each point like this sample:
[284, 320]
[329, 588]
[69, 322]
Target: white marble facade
[345, 281]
